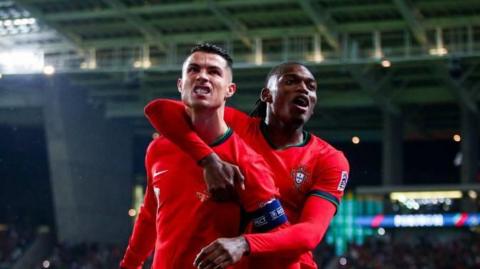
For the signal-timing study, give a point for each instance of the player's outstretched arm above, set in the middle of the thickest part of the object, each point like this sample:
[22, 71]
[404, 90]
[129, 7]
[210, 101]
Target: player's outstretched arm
[298, 238]
[305, 235]
[227, 251]
[143, 237]
[142, 240]
[264, 211]
[331, 174]
[291, 241]
[171, 120]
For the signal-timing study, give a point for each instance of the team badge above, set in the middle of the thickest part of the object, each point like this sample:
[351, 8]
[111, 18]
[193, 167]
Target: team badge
[300, 176]
[343, 181]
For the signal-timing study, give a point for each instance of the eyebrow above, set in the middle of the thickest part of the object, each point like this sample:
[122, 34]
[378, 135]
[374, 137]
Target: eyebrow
[293, 75]
[208, 67]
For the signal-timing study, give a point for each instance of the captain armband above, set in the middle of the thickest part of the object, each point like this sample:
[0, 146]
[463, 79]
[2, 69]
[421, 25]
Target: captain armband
[269, 216]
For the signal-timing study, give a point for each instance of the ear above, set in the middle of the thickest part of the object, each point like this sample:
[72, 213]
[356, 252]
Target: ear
[266, 95]
[179, 85]
[231, 89]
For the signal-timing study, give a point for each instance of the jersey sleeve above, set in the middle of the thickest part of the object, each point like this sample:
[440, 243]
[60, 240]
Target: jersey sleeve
[330, 177]
[142, 241]
[237, 120]
[259, 199]
[297, 238]
[170, 119]
[259, 185]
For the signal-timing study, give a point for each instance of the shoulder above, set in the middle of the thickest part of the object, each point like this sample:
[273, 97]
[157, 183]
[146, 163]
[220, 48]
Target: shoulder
[252, 162]
[159, 145]
[244, 151]
[239, 121]
[236, 150]
[326, 154]
[157, 141]
[330, 172]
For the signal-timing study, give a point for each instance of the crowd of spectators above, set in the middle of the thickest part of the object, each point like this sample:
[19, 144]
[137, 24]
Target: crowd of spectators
[14, 240]
[424, 253]
[84, 256]
[386, 252]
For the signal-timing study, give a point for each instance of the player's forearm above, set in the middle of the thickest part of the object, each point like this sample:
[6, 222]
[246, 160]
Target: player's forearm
[171, 120]
[293, 240]
[298, 238]
[141, 243]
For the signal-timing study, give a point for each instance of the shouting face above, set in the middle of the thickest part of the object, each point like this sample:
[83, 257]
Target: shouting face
[291, 95]
[206, 81]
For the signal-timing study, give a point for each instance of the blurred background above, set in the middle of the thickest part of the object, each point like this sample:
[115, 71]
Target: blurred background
[398, 92]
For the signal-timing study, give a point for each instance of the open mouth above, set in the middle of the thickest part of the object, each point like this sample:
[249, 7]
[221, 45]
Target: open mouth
[301, 101]
[201, 90]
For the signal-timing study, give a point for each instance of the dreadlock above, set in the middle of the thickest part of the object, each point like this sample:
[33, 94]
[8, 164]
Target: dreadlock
[260, 108]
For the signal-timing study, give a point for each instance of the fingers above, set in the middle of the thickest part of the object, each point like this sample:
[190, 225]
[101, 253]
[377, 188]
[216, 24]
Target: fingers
[223, 264]
[205, 252]
[227, 173]
[216, 186]
[221, 195]
[221, 178]
[238, 177]
[200, 257]
[212, 256]
[219, 262]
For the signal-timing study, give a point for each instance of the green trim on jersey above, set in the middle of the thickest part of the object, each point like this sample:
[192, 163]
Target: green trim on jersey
[263, 129]
[222, 138]
[327, 196]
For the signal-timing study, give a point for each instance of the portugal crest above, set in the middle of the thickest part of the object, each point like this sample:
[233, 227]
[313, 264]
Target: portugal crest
[300, 176]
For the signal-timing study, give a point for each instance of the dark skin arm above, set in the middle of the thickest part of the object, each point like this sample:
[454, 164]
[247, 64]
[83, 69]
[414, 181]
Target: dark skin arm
[221, 178]
[292, 240]
[171, 119]
[222, 253]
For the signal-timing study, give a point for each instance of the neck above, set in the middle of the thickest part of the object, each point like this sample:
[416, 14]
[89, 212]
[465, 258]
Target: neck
[208, 124]
[283, 135]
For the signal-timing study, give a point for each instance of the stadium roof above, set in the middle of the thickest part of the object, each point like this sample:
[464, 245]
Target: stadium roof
[414, 59]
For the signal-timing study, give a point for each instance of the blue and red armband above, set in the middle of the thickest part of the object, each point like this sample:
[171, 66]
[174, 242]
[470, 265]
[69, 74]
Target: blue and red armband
[269, 216]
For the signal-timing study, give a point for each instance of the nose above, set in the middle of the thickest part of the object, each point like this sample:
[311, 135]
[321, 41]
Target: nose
[202, 75]
[302, 87]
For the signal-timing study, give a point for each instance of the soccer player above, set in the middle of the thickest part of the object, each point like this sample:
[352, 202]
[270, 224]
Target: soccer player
[311, 174]
[178, 216]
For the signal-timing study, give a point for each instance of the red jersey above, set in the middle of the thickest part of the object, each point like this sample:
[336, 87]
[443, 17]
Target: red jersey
[179, 207]
[313, 169]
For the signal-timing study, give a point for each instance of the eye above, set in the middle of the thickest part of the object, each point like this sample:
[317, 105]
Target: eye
[215, 72]
[191, 69]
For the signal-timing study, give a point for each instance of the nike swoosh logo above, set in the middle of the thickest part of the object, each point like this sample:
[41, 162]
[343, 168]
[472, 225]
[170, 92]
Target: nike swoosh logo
[159, 173]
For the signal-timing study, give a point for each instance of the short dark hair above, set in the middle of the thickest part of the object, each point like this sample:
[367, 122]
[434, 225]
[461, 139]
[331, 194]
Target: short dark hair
[280, 69]
[211, 48]
[260, 108]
